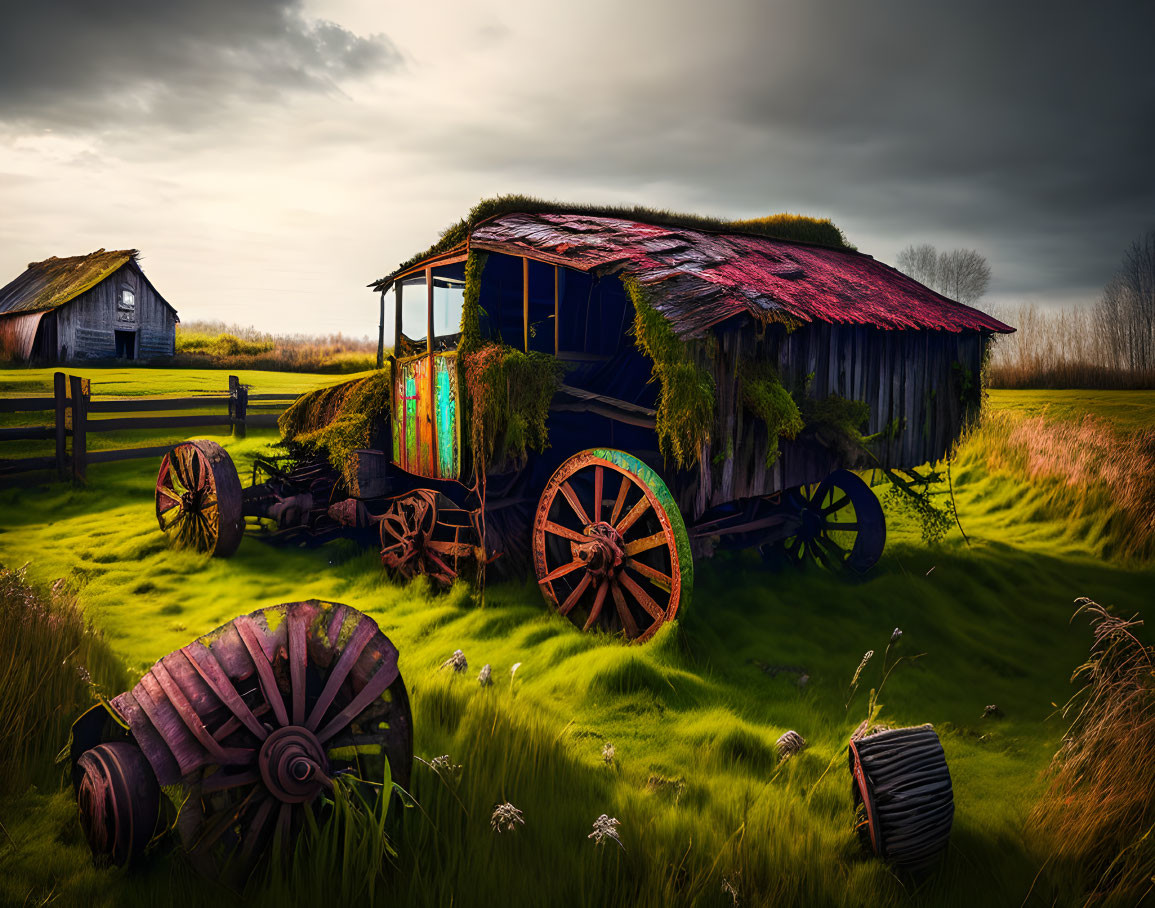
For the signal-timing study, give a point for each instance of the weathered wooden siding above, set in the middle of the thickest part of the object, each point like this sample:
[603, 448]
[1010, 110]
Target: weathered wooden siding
[86, 325]
[915, 383]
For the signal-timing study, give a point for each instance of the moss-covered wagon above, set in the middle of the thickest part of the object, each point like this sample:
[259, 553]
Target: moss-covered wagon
[601, 395]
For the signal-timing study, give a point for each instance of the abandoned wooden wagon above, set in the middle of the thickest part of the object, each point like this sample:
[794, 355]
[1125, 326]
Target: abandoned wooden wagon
[95, 306]
[602, 396]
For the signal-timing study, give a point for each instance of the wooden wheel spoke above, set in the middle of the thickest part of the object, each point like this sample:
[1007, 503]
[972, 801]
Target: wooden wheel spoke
[656, 577]
[360, 637]
[168, 519]
[573, 598]
[645, 600]
[836, 505]
[598, 480]
[829, 545]
[298, 657]
[565, 532]
[635, 512]
[571, 497]
[844, 527]
[563, 570]
[647, 542]
[620, 501]
[596, 608]
[253, 833]
[250, 637]
[629, 625]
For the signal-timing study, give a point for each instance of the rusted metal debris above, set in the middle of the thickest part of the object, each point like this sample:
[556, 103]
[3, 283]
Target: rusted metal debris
[250, 723]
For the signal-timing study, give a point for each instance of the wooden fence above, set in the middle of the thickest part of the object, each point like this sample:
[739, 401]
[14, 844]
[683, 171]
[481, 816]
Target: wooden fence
[72, 402]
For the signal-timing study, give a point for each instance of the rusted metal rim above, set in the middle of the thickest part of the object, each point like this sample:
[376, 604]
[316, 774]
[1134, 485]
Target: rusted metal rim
[841, 524]
[198, 498]
[256, 720]
[607, 530]
[118, 798]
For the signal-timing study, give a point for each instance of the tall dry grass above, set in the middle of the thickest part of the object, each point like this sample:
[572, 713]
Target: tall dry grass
[52, 662]
[1084, 470]
[1096, 822]
[1060, 348]
[214, 344]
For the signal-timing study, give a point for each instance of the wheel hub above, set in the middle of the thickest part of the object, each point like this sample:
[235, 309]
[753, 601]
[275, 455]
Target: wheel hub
[189, 500]
[293, 764]
[604, 553]
[812, 523]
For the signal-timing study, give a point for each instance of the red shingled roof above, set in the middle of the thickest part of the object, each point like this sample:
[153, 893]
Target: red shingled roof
[698, 279]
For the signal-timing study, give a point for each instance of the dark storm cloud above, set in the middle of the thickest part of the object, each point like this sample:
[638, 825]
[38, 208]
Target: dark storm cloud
[1025, 130]
[76, 64]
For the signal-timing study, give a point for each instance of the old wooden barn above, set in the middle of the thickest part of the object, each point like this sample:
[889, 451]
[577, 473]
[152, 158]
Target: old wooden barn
[95, 306]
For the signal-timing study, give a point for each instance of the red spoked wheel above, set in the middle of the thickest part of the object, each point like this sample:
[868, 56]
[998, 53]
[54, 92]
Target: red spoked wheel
[841, 524]
[260, 720]
[610, 547]
[424, 532]
[198, 498]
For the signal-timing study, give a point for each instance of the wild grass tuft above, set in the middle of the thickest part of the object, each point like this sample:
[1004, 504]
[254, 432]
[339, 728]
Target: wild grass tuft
[1096, 823]
[52, 666]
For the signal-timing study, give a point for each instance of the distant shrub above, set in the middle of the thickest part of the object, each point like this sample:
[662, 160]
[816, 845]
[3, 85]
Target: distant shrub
[217, 345]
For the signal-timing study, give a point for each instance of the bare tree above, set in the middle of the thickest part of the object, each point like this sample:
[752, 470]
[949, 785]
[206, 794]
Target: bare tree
[1126, 311]
[920, 262]
[961, 274]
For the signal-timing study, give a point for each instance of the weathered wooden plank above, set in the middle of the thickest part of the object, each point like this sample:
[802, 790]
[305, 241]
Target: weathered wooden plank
[27, 433]
[25, 464]
[153, 404]
[128, 454]
[26, 404]
[156, 422]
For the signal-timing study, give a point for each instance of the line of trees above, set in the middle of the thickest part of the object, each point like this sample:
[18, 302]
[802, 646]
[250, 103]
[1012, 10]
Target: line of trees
[1126, 310]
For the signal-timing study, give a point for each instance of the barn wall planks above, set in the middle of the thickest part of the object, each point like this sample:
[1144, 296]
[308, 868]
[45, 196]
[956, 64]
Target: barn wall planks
[920, 386]
[86, 326]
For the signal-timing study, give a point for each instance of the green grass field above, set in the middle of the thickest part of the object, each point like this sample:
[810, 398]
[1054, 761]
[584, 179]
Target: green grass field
[692, 716]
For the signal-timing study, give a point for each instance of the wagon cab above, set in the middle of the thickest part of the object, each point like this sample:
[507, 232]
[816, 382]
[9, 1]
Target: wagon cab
[599, 397]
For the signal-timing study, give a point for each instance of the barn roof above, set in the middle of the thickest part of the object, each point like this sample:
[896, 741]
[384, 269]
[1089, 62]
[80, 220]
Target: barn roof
[52, 283]
[699, 278]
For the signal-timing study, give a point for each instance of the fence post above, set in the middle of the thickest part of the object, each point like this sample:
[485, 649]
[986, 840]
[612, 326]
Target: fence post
[79, 427]
[234, 383]
[240, 411]
[60, 393]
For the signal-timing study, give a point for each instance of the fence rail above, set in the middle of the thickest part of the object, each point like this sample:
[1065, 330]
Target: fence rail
[72, 403]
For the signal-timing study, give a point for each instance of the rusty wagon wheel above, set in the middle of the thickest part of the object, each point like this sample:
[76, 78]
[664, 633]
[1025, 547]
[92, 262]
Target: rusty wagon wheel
[257, 723]
[424, 532]
[841, 524]
[198, 498]
[904, 802]
[610, 548]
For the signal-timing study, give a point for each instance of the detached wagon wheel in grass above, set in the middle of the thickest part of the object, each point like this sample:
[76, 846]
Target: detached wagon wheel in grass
[841, 524]
[257, 721]
[904, 802]
[424, 532]
[610, 548]
[198, 498]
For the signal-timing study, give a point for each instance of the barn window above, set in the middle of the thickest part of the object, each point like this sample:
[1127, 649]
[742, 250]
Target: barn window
[126, 306]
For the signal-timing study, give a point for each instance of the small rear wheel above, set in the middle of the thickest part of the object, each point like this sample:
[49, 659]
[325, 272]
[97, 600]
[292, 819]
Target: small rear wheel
[841, 524]
[198, 498]
[118, 797]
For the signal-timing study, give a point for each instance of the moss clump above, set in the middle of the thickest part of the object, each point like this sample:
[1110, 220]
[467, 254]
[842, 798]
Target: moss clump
[686, 390]
[765, 397]
[796, 227]
[471, 305]
[791, 227]
[838, 423]
[334, 422]
[509, 393]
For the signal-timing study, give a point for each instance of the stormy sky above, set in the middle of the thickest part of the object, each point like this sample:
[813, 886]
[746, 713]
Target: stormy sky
[271, 157]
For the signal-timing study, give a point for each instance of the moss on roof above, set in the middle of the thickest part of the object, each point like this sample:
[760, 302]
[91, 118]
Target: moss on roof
[791, 227]
[54, 281]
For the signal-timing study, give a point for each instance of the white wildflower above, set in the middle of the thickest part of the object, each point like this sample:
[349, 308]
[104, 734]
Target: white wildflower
[790, 744]
[444, 766]
[483, 678]
[861, 665]
[732, 886]
[506, 818]
[896, 636]
[457, 662]
[606, 827]
[608, 753]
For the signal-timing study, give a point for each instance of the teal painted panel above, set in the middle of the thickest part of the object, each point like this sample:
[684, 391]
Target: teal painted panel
[445, 409]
